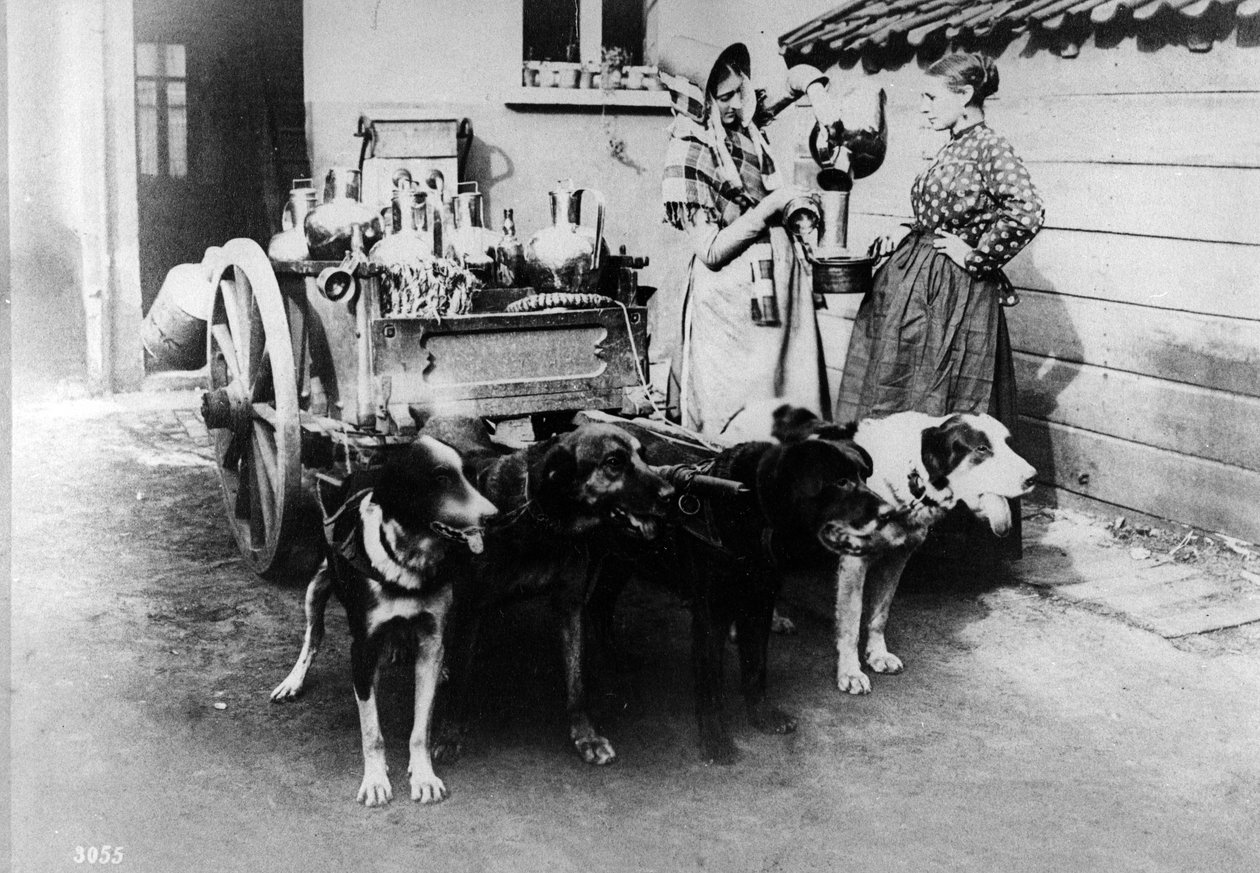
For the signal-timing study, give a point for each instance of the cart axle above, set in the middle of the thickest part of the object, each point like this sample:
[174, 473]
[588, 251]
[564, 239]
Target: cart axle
[225, 407]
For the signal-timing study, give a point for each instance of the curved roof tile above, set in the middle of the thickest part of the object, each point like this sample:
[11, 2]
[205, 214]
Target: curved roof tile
[855, 25]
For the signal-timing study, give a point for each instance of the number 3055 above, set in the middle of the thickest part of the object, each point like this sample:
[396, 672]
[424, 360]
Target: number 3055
[98, 855]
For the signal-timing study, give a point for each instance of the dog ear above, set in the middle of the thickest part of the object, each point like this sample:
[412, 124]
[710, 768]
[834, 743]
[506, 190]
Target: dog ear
[860, 457]
[559, 466]
[835, 432]
[943, 448]
[792, 424]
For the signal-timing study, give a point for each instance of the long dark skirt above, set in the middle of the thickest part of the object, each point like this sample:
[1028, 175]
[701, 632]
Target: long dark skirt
[930, 337]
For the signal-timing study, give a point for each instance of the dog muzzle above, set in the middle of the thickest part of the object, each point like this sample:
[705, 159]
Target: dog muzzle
[473, 537]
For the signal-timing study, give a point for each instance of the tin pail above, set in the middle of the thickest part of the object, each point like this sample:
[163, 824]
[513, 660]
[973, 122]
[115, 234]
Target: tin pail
[174, 332]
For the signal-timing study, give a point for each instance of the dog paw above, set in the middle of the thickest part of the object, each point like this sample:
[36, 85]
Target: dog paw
[781, 624]
[595, 750]
[287, 690]
[448, 749]
[375, 790]
[428, 789]
[770, 720]
[885, 662]
[853, 682]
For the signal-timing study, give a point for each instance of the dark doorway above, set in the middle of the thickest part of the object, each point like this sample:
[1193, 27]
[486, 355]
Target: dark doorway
[220, 125]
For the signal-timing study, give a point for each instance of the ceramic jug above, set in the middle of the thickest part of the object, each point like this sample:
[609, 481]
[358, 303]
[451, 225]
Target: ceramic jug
[566, 256]
[329, 225]
[290, 243]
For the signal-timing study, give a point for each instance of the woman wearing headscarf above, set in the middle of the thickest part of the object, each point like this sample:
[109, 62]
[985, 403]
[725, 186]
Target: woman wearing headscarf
[749, 328]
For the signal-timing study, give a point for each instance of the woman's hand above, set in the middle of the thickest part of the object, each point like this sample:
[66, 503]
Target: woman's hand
[952, 246]
[772, 204]
[881, 247]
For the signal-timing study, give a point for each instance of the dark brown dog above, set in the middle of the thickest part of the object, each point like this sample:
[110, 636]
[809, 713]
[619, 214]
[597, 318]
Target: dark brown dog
[805, 506]
[384, 548]
[555, 496]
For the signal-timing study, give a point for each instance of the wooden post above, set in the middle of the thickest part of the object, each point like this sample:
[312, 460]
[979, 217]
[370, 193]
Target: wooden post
[93, 211]
[125, 363]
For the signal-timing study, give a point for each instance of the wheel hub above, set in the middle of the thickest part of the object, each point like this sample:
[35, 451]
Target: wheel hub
[226, 407]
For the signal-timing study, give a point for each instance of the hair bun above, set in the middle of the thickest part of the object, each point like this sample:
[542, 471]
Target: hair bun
[988, 83]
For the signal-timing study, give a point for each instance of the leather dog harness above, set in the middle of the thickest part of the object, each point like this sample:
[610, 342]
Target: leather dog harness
[343, 536]
[703, 521]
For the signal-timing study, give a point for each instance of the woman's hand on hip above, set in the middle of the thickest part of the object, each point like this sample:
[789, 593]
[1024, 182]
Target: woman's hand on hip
[952, 246]
[881, 247]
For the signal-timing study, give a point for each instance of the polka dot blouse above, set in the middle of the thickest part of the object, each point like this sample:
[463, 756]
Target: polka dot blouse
[978, 189]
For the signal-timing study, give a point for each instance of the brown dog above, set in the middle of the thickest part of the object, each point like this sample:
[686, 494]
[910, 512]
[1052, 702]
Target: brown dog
[384, 549]
[555, 496]
[804, 505]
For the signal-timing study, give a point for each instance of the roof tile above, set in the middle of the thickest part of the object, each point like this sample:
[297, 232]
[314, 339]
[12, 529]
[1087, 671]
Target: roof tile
[855, 25]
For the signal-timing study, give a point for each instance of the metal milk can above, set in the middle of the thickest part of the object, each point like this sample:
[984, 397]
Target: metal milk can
[566, 256]
[290, 243]
[330, 225]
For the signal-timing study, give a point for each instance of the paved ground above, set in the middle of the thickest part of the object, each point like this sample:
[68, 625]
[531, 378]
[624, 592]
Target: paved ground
[1097, 708]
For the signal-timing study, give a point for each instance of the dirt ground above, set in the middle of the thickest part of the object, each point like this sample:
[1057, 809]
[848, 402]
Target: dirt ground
[1028, 733]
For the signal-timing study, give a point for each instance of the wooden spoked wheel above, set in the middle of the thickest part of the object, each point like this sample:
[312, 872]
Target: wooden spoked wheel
[252, 408]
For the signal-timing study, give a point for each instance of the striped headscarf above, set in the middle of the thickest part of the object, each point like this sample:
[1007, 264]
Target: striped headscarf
[708, 168]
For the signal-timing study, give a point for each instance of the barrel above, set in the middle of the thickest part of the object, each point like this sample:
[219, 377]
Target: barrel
[174, 332]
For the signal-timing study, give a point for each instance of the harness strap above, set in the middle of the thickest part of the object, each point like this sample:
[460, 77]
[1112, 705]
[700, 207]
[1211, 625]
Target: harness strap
[708, 530]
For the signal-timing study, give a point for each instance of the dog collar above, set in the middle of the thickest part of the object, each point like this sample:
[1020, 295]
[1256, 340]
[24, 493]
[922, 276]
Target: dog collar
[454, 534]
[919, 492]
[529, 507]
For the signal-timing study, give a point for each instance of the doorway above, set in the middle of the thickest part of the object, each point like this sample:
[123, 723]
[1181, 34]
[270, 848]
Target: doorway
[220, 125]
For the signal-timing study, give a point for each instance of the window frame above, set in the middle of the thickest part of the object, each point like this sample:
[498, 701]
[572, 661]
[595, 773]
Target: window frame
[160, 81]
[590, 50]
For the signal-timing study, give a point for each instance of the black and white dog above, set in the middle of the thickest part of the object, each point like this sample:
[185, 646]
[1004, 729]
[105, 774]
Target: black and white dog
[923, 466]
[384, 550]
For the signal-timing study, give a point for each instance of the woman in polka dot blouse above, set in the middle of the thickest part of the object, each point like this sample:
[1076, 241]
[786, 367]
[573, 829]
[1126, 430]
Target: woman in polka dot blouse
[931, 336]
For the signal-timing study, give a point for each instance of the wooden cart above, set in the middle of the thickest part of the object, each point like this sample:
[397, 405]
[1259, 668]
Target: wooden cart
[301, 383]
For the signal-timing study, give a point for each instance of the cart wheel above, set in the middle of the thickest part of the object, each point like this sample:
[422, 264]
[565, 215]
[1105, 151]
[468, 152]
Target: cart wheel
[252, 406]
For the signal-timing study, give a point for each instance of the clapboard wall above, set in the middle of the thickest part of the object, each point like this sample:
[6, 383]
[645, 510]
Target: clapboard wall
[1137, 341]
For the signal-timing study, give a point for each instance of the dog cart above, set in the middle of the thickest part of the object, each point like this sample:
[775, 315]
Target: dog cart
[310, 372]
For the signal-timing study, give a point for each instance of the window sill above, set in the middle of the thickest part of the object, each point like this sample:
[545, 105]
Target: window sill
[593, 98]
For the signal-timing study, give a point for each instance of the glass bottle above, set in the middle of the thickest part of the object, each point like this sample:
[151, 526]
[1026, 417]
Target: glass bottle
[509, 255]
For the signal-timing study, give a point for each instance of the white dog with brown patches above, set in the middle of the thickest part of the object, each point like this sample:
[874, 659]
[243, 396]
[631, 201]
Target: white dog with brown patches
[923, 466]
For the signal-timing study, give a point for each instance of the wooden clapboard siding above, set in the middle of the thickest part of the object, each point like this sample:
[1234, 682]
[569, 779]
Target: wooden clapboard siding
[1212, 130]
[1212, 352]
[1209, 278]
[1200, 203]
[1217, 425]
[1188, 275]
[1166, 484]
